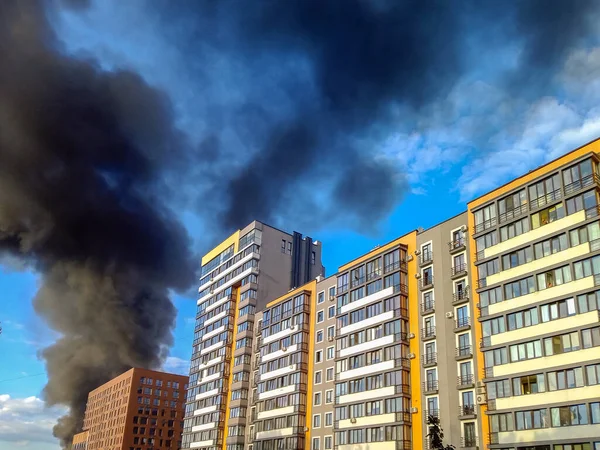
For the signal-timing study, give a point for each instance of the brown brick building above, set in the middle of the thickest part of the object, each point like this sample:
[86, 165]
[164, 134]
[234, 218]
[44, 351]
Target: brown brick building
[138, 410]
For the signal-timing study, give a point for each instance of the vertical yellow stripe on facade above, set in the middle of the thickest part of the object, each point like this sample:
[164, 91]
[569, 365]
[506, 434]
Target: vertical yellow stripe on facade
[312, 287]
[234, 299]
[413, 324]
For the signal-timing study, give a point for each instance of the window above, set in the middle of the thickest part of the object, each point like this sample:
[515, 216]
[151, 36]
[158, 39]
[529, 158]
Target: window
[329, 396]
[464, 344]
[554, 277]
[317, 421]
[328, 439]
[507, 206]
[501, 422]
[374, 269]
[316, 443]
[391, 261]
[529, 384]
[313, 258]
[427, 276]
[565, 379]
[319, 356]
[426, 252]
[528, 420]
[320, 316]
[498, 389]
[289, 248]
[522, 319]
[563, 343]
[546, 216]
[283, 246]
[557, 310]
[593, 374]
[490, 296]
[588, 302]
[517, 258]
[589, 233]
[331, 332]
[528, 350]
[317, 399]
[331, 312]
[330, 353]
[485, 218]
[551, 246]
[590, 337]
[544, 191]
[358, 276]
[514, 229]
[332, 292]
[587, 267]
[578, 175]
[567, 416]
[462, 317]
[486, 241]
[595, 412]
[320, 336]
[583, 201]
[321, 297]
[485, 270]
[429, 326]
[318, 376]
[519, 288]
[428, 303]
[329, 374]
[459, 263]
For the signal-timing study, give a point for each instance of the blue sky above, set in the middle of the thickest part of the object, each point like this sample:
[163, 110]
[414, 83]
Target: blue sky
[476, 136]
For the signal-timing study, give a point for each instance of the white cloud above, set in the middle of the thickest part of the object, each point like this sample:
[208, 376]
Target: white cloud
[492, 137]
[26, 423]
[176, 365]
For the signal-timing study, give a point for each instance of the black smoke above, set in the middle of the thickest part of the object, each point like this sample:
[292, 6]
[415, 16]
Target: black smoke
[85, 162]
[92, 165]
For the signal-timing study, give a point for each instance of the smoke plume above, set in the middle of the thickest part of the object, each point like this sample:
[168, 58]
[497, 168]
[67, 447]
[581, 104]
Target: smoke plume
[84, 165]
[292, 97]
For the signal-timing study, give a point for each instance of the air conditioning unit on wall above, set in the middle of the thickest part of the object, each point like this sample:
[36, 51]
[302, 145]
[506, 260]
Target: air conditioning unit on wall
[481, 399]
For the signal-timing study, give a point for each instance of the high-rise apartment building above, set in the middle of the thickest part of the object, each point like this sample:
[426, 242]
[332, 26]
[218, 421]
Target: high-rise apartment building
[239, 277]
[534, 246]
[488, 321]
[138, 410]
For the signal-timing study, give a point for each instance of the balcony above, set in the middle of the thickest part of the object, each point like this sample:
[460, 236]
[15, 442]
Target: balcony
[460, 296]
[426, 282]
[582, 183]
[430, 387]
[432, 413]
[428, 333]
[427, 307]
[459, 270]
[512, 214]
[425, 258]
[545, 199]
[485, 342]
[457, 245]
[462, 323]
[467, 411]
[464, 352]
[469, 442]
[485, 225]
[429, 359]
[465, 381]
